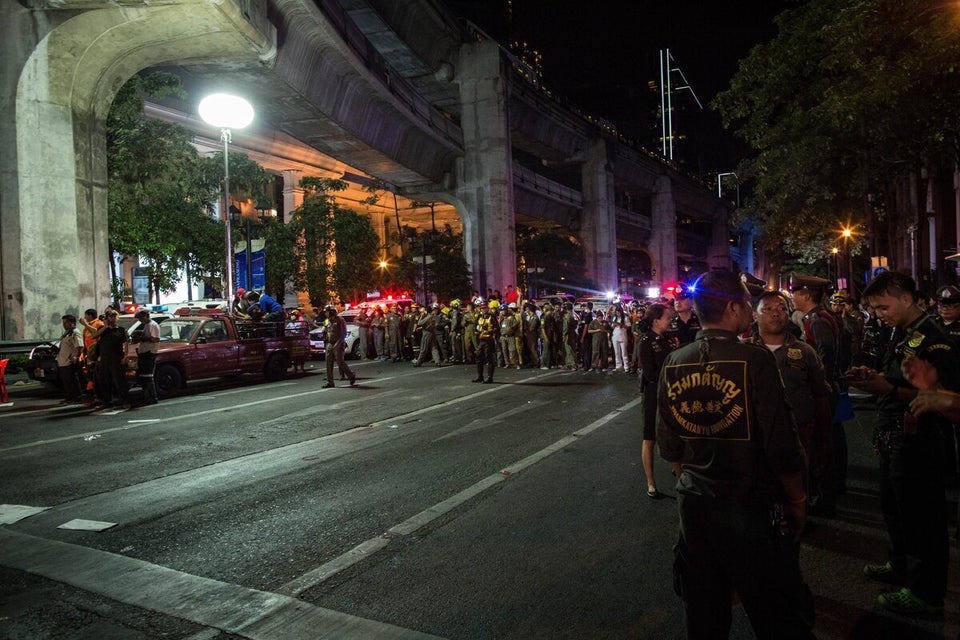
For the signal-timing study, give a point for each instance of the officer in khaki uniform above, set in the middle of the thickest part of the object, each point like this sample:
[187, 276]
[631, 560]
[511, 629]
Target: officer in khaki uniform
[804, 381]
[727, 430]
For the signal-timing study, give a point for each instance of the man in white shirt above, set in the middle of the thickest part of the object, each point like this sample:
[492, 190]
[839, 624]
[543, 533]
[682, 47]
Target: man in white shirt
[67, 358]
[148, 340]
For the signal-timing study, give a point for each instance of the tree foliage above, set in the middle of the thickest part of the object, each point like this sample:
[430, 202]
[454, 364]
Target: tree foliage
[849, 94]
[557, 261]
[357, 249]
[161, 192]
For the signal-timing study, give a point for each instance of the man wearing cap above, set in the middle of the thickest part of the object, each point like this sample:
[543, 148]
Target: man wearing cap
[727, 430]
[911, 448]
[828, 449]
[948, 307]
[686, 323]
[147, 338]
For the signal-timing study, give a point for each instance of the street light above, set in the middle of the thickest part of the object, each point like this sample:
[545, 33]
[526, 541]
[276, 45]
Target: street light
[847, 234]
[227, 112]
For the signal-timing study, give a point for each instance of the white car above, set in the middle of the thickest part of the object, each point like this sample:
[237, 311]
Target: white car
[352, 345]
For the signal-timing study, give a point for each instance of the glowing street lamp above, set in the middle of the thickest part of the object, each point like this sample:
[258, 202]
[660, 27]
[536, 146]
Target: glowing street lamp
[227, 112]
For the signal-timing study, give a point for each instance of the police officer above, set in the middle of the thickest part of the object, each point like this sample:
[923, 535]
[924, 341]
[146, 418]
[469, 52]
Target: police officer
[912, 492]
[827, 448]
[488, 339]
[686, 323]
[948, 308]
[334, 340]
[394, 334]
[808, 392]
[727, 430]
[470, 318]
[456, 332]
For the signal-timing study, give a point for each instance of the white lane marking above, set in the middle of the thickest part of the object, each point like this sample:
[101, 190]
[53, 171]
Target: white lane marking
[187, 416]
[250, 613]
[298, 585]
[428, 515]
[144, 421]
[454, 401]
[481, 423]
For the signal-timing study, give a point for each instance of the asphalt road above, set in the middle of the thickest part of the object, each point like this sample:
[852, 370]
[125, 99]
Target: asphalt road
[415, 504]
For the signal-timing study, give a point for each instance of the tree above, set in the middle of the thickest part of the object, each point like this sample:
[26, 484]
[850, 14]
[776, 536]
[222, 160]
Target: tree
[357, 248]
[556, 260]
[160, 192]
[450, 272]
[155, 202]
[849, 94]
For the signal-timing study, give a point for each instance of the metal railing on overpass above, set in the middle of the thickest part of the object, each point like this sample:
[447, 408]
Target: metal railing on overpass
[529, 179]
[394, 82]
[625, 216]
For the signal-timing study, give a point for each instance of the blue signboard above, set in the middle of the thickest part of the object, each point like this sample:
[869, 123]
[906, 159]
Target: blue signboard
[258, 260]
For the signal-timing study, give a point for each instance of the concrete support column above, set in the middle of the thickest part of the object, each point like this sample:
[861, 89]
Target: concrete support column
[599, 228]
[53, 250]
[292, 193]
[663, 235]
[484, 177]
[719, 251]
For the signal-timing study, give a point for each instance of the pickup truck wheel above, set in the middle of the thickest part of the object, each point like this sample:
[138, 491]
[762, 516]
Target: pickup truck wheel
[168, 380]
[276, 367]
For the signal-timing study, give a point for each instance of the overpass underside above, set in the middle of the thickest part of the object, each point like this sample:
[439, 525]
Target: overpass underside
[400, 95]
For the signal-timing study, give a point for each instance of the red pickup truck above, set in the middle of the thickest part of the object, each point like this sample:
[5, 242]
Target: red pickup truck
[209, 346]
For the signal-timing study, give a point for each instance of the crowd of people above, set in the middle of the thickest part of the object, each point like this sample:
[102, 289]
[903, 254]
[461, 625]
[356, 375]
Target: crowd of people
[91, 364]
[750, 417]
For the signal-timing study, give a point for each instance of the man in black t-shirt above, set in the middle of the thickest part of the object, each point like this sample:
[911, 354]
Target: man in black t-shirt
[112, 351]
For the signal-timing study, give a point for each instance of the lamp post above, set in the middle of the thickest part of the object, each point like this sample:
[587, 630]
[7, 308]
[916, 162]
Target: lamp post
[836, 264]
[227, 112]
[847, 234]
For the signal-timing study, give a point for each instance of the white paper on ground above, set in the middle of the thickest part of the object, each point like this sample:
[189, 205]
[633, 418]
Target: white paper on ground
[87, 525]
[10, 513]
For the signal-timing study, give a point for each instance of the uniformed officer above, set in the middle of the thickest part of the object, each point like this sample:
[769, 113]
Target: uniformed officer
[488, 339]
[394, 334]
[470, 318]
[808, 392]
[912, 492]
[828, 448]
[336, 334]
[727, 430]
[948, 308]
[654, 347]
[686, 323]
[456, 332]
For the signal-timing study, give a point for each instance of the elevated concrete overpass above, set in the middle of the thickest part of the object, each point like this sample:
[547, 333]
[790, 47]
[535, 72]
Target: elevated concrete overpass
[399, 91]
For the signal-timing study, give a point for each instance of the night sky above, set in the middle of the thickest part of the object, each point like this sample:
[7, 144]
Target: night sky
[601, 55]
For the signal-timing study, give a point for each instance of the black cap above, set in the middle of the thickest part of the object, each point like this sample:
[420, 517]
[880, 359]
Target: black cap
[948, 293]
[801, 281]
